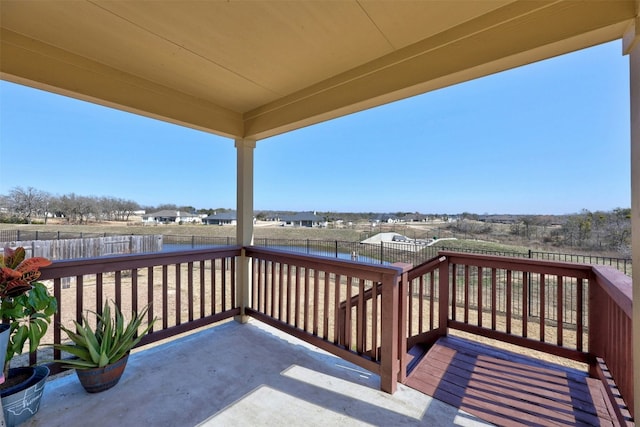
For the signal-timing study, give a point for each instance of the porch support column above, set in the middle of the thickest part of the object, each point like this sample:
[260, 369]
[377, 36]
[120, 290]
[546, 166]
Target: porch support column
[244, 229]
[631, 47]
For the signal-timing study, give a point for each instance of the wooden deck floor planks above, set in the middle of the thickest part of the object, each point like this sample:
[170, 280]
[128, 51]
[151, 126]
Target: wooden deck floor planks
[509, 389]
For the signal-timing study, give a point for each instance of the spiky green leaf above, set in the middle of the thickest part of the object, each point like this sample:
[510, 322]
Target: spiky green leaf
[110, 340]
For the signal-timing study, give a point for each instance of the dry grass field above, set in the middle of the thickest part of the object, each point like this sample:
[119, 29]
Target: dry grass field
[268, 229]
[262, 229]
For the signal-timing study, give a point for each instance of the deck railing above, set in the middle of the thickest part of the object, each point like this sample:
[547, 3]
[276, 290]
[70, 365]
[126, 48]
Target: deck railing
[367, 314]
[537, 304]
[306, 297]
[577, 311]
[427, 318]
[610, 334]
[186, 290]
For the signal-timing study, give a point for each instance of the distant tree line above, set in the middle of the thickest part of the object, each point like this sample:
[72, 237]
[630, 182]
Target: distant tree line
[26, 205]
[592, 231]
[598, 230]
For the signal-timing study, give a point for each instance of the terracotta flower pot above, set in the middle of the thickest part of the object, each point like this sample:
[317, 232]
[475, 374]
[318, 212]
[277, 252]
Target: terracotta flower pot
[100, 379]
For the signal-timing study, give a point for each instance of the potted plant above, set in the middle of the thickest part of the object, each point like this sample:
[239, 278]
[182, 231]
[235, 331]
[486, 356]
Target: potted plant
[25, 312]
[101, 346]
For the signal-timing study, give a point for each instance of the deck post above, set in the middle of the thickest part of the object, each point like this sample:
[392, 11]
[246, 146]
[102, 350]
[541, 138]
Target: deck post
[443, 296]
[389, 334]
[403, 294]
[244, 229]
[598, 327]
[631, 47]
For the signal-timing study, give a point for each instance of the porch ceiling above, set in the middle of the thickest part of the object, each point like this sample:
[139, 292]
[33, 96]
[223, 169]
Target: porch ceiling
[257, 69]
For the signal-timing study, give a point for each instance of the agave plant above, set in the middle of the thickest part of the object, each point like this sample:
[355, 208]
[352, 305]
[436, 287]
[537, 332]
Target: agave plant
[109, 342]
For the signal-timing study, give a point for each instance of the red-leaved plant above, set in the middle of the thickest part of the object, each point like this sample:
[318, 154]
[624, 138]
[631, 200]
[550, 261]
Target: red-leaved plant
[24, 303]
[17, 273]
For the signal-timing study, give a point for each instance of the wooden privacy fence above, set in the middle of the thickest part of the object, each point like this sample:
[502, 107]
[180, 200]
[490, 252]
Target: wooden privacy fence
[90, 247]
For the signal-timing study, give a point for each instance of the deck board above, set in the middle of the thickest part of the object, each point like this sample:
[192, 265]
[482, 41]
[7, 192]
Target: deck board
[510, 389]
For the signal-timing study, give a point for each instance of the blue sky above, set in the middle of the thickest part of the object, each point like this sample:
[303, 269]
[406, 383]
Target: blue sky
[548, 138]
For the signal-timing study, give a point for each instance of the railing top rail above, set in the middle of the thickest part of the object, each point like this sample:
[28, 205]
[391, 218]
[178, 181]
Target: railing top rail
[617, 285]
[580, 255]
[125, 262]
[426, 266]
[583, 271]
[367, 271]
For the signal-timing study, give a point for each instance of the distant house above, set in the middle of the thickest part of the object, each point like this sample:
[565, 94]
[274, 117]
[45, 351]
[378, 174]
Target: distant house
[413, 217]
[385, 218]
[303, 219]
[170, 217]
[222, 218]
[273, 217]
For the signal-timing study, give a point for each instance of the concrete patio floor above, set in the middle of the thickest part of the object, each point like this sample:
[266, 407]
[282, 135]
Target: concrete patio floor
[241, 375]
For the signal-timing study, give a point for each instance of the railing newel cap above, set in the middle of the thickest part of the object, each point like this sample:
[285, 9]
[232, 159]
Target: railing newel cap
[402, 267]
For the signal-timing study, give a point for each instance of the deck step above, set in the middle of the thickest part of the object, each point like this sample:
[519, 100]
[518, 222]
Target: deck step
[414, 356]
[509, 389]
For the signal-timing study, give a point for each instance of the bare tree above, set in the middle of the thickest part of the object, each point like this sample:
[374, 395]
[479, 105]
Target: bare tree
[28, 203]
[120, 209]
[127, 208]
[107, 208]
[86, 208]
[63, 207]
[77, 209]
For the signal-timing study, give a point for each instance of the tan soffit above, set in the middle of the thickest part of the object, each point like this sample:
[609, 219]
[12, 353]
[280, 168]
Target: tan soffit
[255, 69]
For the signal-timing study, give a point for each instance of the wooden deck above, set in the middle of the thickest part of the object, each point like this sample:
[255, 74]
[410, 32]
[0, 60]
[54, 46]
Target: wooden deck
[509, 389]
